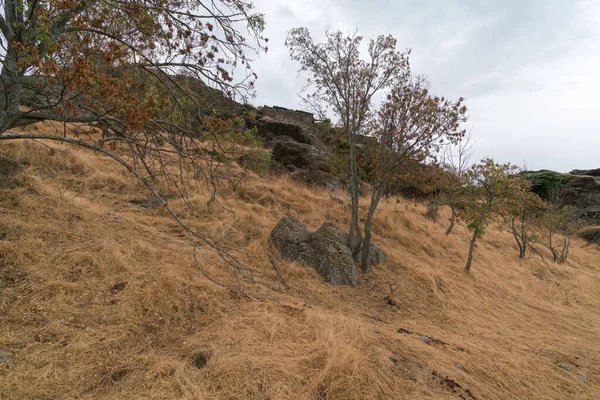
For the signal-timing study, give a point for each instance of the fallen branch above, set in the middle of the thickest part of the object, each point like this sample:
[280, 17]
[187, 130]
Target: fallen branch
[375, 318]
[536, 251]
[276, 268]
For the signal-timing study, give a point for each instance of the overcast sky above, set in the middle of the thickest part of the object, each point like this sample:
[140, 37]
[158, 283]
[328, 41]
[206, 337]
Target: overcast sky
[529, 69]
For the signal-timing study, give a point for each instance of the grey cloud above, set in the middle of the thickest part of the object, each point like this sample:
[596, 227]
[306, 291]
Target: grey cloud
[527, 68]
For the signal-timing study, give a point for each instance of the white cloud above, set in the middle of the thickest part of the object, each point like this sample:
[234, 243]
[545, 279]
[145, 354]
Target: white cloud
[529, 70]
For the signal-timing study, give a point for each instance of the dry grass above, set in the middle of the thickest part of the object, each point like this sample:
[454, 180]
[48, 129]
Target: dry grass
[99, 299]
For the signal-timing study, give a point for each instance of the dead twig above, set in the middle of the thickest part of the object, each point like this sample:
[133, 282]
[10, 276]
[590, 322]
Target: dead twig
[536, 251]
[375, 318]
[391, 297]
[276, 268]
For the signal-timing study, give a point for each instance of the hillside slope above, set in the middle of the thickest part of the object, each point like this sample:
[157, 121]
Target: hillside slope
[99, 299]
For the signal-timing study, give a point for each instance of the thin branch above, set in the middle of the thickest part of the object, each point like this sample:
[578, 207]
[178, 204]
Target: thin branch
[194, 236]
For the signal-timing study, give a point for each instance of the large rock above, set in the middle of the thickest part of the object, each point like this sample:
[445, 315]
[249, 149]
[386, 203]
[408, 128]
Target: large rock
[581, 189]
[290, 237]
[331, 259]
[586, 172]
[333, 232]
[315, 177]
[270, 130]
[293, 155]
[304, 163]
[326, 250]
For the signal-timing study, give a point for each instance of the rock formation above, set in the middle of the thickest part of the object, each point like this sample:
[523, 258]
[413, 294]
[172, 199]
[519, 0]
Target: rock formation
[325, 250]
[582, 189]
[296, 146]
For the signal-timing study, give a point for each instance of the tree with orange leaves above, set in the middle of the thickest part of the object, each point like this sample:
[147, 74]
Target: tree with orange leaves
[137, 70]
[412, 125]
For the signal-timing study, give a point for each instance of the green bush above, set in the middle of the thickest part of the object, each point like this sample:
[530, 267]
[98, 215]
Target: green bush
[543, 183]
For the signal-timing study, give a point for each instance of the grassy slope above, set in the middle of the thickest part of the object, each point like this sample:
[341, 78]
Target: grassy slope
[72, 236]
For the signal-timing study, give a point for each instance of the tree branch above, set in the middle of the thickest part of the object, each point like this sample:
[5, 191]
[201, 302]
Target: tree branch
[194, 236]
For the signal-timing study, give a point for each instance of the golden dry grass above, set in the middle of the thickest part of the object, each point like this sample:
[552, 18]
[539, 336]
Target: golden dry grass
[99, 299]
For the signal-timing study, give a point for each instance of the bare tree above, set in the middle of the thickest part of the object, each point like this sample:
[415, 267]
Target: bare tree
[451, 186]
[560, 222]
[339, 79]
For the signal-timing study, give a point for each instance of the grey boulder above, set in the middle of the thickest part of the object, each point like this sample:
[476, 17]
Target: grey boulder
[326, 250]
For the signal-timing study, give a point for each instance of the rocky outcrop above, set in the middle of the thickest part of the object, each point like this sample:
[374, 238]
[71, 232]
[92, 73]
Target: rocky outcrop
[325, 250]
[297, 150]
[300, 118]
[304, 162]
[586, 172]
[270, 130]
[293, 155]
[279, 121]
[582, 189]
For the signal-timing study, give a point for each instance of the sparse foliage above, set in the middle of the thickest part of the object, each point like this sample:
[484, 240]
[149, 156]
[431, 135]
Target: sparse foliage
[560, 222]
[452, 181]
[491, 187]
[412, 125]
[339, 79]
[138, 72]
[526, 211]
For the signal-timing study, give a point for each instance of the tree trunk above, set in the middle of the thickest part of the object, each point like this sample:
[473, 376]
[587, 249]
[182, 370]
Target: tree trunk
[564, 254]
[472, 248]
[366, 247]
[10, 92]
[433, 211]
[524, 238]
[519, 239]
[552, 249]
[452, 218]
[476, 231]
[355, 236]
